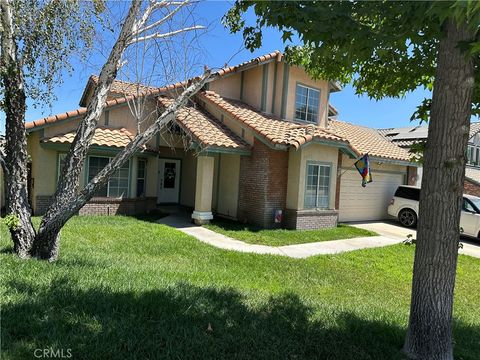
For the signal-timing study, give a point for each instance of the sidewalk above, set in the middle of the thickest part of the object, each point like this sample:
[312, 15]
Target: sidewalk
[393, 230]
[294, 251]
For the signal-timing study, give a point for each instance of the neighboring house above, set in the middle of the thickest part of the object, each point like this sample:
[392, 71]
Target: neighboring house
[257, 141]
[406, 137]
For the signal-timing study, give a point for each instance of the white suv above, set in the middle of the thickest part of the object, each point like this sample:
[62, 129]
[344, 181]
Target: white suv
[404, 206]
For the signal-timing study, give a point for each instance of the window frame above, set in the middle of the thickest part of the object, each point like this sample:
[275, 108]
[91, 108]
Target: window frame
[308, 88]
[318, 164]
[87, 175]
[144, 178]
[470, 152]
[59, 163]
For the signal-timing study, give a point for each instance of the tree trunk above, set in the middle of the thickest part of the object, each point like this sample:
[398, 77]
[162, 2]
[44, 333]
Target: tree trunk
[15, 166]
[429, 333]
[46, 245]
[69, 180]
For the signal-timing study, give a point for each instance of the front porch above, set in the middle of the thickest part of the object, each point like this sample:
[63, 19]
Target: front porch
[207, 182]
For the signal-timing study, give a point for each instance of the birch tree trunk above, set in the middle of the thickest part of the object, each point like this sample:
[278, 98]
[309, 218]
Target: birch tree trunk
[429, 333]
[67, 187]
[15, 165]
[47, 241]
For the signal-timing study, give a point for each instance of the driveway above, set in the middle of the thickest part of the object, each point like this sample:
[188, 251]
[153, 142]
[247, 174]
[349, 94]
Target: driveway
[393, 230]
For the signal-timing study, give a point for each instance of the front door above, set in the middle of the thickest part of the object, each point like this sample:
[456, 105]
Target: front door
[168, 181]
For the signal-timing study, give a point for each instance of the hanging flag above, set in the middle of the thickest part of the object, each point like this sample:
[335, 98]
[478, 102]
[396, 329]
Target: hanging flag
[363, 167]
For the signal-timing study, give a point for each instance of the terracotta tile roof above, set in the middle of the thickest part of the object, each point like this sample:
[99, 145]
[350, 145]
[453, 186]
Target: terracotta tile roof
[103, 137]
[71, 114]
[273, 129]
[332, 110]
[205, 129]
[474, 128]
[366, 140]
[254, 62]
[121, 87]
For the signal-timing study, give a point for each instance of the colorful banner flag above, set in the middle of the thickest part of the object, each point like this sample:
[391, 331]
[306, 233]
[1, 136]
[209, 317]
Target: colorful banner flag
[363, 167]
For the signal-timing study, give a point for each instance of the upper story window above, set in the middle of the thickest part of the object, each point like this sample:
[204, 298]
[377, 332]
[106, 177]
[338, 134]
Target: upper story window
[307, 101]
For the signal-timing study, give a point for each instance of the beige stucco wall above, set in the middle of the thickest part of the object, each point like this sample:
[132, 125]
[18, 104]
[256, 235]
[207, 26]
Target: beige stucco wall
[297, 168]
[252, 86]
[44, 167]
[204, 183]
[228, 185]
[299, 76]
[228, 86]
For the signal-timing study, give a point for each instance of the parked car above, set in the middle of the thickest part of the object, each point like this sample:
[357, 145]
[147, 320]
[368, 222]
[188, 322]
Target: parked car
[404, 206]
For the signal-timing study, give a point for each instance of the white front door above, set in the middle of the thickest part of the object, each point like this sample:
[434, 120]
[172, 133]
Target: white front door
[168, 181]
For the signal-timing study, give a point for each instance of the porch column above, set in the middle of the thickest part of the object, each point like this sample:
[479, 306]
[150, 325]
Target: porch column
[204, 190]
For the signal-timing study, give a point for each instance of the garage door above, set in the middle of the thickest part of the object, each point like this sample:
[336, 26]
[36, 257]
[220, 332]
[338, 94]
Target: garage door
[359, 203]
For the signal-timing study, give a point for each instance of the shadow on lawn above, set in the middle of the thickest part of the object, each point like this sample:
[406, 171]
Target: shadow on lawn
[172, 324]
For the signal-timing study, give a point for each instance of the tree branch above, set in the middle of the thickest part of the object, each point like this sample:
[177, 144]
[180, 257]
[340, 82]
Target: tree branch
[141, 29]
[69, 179]
[78, 201]
[165, 35]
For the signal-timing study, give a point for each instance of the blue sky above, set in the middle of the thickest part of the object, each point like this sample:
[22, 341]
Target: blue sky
[220, 47]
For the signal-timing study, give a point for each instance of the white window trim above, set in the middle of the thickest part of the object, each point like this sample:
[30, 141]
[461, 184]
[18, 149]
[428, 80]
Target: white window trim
[108, 182]
[144, 178]
[306, 106]
[319, 164]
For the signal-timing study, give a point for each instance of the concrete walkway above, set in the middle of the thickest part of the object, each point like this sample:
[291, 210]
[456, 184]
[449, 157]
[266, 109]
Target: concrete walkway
[393, 230]
[183, 224]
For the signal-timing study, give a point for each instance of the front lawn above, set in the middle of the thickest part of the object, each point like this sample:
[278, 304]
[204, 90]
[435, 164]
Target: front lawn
[130, 289]
[279, 237]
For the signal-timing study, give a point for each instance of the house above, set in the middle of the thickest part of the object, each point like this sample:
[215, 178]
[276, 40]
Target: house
[258, 141]
[406, 137]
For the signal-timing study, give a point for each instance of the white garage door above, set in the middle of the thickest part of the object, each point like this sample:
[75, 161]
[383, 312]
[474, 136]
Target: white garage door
[359, 203]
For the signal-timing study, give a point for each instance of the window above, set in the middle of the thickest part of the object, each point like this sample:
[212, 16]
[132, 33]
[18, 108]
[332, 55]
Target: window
[60, 164]
[467, 206]
[306, 104]
[410, 193]
[118, 184]
[317, 186]
[470, 154]
[141, 176]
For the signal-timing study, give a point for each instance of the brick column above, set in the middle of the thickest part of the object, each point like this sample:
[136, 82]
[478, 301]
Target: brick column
[204, 190]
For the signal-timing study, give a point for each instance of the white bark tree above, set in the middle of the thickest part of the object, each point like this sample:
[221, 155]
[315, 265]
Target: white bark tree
[140, 25]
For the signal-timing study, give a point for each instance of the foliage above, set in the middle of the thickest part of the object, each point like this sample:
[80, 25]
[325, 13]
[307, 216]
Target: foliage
[280, 237]
[410, 240]
[131, 289]
[386, 48]
[47, 33]
[12, 221]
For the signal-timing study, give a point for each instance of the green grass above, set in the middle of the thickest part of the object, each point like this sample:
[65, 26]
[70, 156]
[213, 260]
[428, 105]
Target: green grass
[130, 289]
[280, 237]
